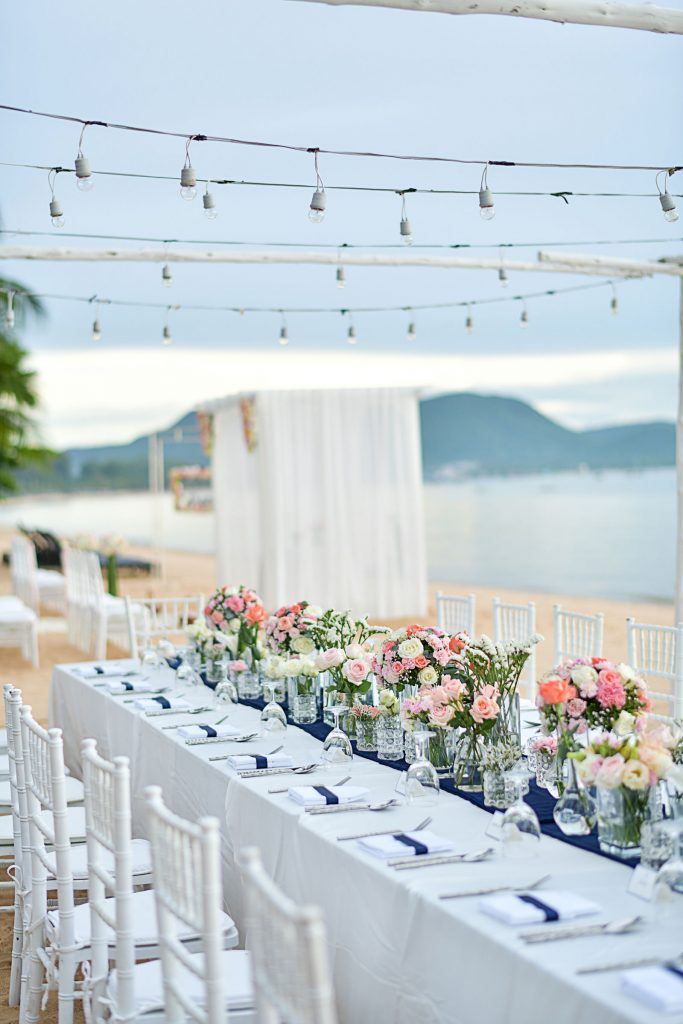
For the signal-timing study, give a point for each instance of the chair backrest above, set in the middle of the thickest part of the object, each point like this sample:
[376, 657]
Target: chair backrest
[24, 569]
[576, 635]
[658, 651]
[160, 618]
[17, 783]
[187, 894]
[45, 791]
[108, 830]
[93, 579]
[455, 613]
[289, 959]
[517, 622]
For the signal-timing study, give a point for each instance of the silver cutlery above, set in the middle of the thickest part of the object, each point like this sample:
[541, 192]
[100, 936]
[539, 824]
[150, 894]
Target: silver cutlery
[249, 772]
[176, 711]
[305, 769]
[338, 808]
[384, 832]
[624, 965]
[236, 739]
[620, 927]
[494, 888]
[153, 691]
[437, 859]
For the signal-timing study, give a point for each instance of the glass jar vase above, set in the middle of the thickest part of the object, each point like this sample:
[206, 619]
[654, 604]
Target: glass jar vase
[302, 692]
[467, 762]
[366, 738]
[389, 737]
[499, 789]
[440, 752]
[216, 667]
[248, 686]
[621, 815]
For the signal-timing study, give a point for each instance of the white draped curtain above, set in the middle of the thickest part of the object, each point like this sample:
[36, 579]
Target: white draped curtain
[328, 505]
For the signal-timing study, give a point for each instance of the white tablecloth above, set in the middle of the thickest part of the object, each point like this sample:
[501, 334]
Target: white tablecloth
[399, 954]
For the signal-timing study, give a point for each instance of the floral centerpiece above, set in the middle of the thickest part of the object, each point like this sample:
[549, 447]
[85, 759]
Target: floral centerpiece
[347, 648]
[300, 675]
[237, 612]
[289, 629]
[365, 718]
[415, 656]
[626, 770]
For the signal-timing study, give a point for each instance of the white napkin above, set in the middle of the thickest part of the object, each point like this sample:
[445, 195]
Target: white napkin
[134, 686]
[656, 987]
[512, 909]
[389, 846]
[105, 671]
[243, 762]
[150, 704]
[195, 732]
[308, 796]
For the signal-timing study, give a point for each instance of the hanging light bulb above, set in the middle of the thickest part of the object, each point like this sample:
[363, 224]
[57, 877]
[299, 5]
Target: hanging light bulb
[666, 200]
[502, 277]
[96, 330]
[351, 335]
[524, 318]
[411, 333]
[316, 211]
[487, 210]
[84, 178]
[209, 204]
[188, 178]
[284, 335]
[614, 302]
[405, 228]
[166, 337]
[166, 275]
[56, 214]
[341, 277]
[9, 312]
[469, 322]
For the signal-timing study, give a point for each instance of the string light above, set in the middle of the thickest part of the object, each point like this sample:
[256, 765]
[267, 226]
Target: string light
[316, 211]
[341, 277]
[209, 204]
[411, 334]
[56, 214]
[666, 200]
[188, 178]
[524, 316]
[502, 275]
[9, 312]
[84, 178]
[487, 210]
[284, 333]
[614, 302]
[351, 335]
[166, 276]
[469, 322]
[405, 229]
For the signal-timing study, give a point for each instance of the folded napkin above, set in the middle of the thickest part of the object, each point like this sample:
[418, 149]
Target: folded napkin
[660, 988]
[203, 732]
[318, 796]
[405, 844]
[527, 908]
[102, 671]
[243, 762]
[142, 685]
[162, 704]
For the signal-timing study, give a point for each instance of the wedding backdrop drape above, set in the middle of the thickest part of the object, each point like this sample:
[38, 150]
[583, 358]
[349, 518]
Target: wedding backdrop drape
[318, 495]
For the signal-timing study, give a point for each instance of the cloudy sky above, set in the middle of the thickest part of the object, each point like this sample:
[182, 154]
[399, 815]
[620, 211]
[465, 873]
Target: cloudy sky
[341, 78]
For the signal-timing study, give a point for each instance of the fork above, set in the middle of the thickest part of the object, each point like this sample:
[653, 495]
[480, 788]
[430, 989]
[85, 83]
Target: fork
[384, 832]
[259, 771]
[437, 859]
[494, 888]
[220, 721]
[304, 769]
[173, 711]
[340, 808]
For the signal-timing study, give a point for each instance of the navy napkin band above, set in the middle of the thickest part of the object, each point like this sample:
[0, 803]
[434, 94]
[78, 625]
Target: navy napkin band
[163, 702]
[261, 761]
[674, 969]
[127, 686]
[419, 848]
[209, 730]
[330, 797]
[550, 914]
[100, 671]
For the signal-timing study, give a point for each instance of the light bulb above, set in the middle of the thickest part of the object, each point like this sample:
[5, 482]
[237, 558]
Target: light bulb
[84, 178]
[316, 212]
[341, 277]
[469, 325]
[351, 335]
[209, 204]
[56, 214]
[284, 335]
[406, 231]
[487, 210]
[9, 318]
[96, 330]
[166, 275]
[188, 182]
[166, 335]
[412, 332]
[668, 207]
[524, 319]
[503, 278]
[614, 306]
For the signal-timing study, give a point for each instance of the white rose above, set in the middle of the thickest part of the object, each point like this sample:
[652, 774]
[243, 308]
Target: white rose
[626, 672]
[234, 625]
[291, 668]
[428, 675]
[308, 668]
[230, 641]
[313, 611]
[675, 775]
[303, 645]
[584, 674]
[624, 724]
[355, 651]
[410, 648]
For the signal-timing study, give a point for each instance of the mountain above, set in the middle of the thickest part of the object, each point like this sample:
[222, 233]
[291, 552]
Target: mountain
[462, 435]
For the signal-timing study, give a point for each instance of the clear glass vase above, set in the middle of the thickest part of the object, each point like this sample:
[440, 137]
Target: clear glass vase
[575, 812]
[621, 815]
[508, 726]
[248, 686]
[544, 764]
[216, 667]
[409, 746]
[365, 734]
[499, 789]
[389, 737]
[467, 762]
[440, 752]
[302, 693]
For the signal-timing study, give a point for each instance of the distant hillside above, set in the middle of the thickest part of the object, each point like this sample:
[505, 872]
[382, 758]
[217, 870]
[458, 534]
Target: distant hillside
[462, 435]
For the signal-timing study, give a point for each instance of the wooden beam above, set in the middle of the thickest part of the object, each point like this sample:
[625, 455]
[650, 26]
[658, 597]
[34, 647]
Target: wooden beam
[610, 13]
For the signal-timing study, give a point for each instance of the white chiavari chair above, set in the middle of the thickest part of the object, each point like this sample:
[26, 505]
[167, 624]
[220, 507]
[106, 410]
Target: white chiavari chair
[205, 987]
[657, 651]
[35, 586]
[455, 613]
[77, 605]
[289, 959]
[576, 635]
[107, 614]
[160, 618]
[19, 628]
[517, 622]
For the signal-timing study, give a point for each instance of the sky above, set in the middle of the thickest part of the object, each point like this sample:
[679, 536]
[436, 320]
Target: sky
[342, 78]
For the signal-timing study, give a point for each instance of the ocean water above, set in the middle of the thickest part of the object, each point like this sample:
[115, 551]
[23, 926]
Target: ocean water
[608, 534]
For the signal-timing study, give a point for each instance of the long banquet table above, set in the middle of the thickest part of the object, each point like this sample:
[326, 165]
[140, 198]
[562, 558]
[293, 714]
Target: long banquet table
[399, 954]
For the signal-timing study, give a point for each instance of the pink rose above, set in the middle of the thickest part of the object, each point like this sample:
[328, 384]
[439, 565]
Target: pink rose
[607, 675]
[285, 623]
[610, 772]
[611, 692]
[235, 604]
[217, 617]
[453, 687]
[484, 709]
[238, 666]
[442, 656]
[396, 668]
[441, 715]
[588, 689]
[354, 651]
[576, 707]
[331, 658]
[355, 670]
[421, 661]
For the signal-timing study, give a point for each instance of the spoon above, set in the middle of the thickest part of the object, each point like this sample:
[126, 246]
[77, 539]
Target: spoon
[304, 769]
[494, 888]
[176, 711]
[258, 771]
[619, 927]
[234, 739]
[337, 808]
[384, 832]
[622, 965]
[436, 859]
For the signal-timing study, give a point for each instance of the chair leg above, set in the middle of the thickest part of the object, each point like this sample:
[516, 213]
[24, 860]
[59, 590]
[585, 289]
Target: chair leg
[17, 949]
[67, 985]
[101, 638]
[30, 1006]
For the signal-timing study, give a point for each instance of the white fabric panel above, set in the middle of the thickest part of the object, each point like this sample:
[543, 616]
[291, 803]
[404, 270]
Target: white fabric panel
[236, 498]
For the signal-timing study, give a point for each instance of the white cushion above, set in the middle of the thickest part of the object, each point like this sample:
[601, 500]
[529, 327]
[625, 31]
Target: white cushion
[75, 818]
[10, 601]
[141, 858]
[149, 992]
[20, 616]
[49, 578]
[74, 792]
[144, 923]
